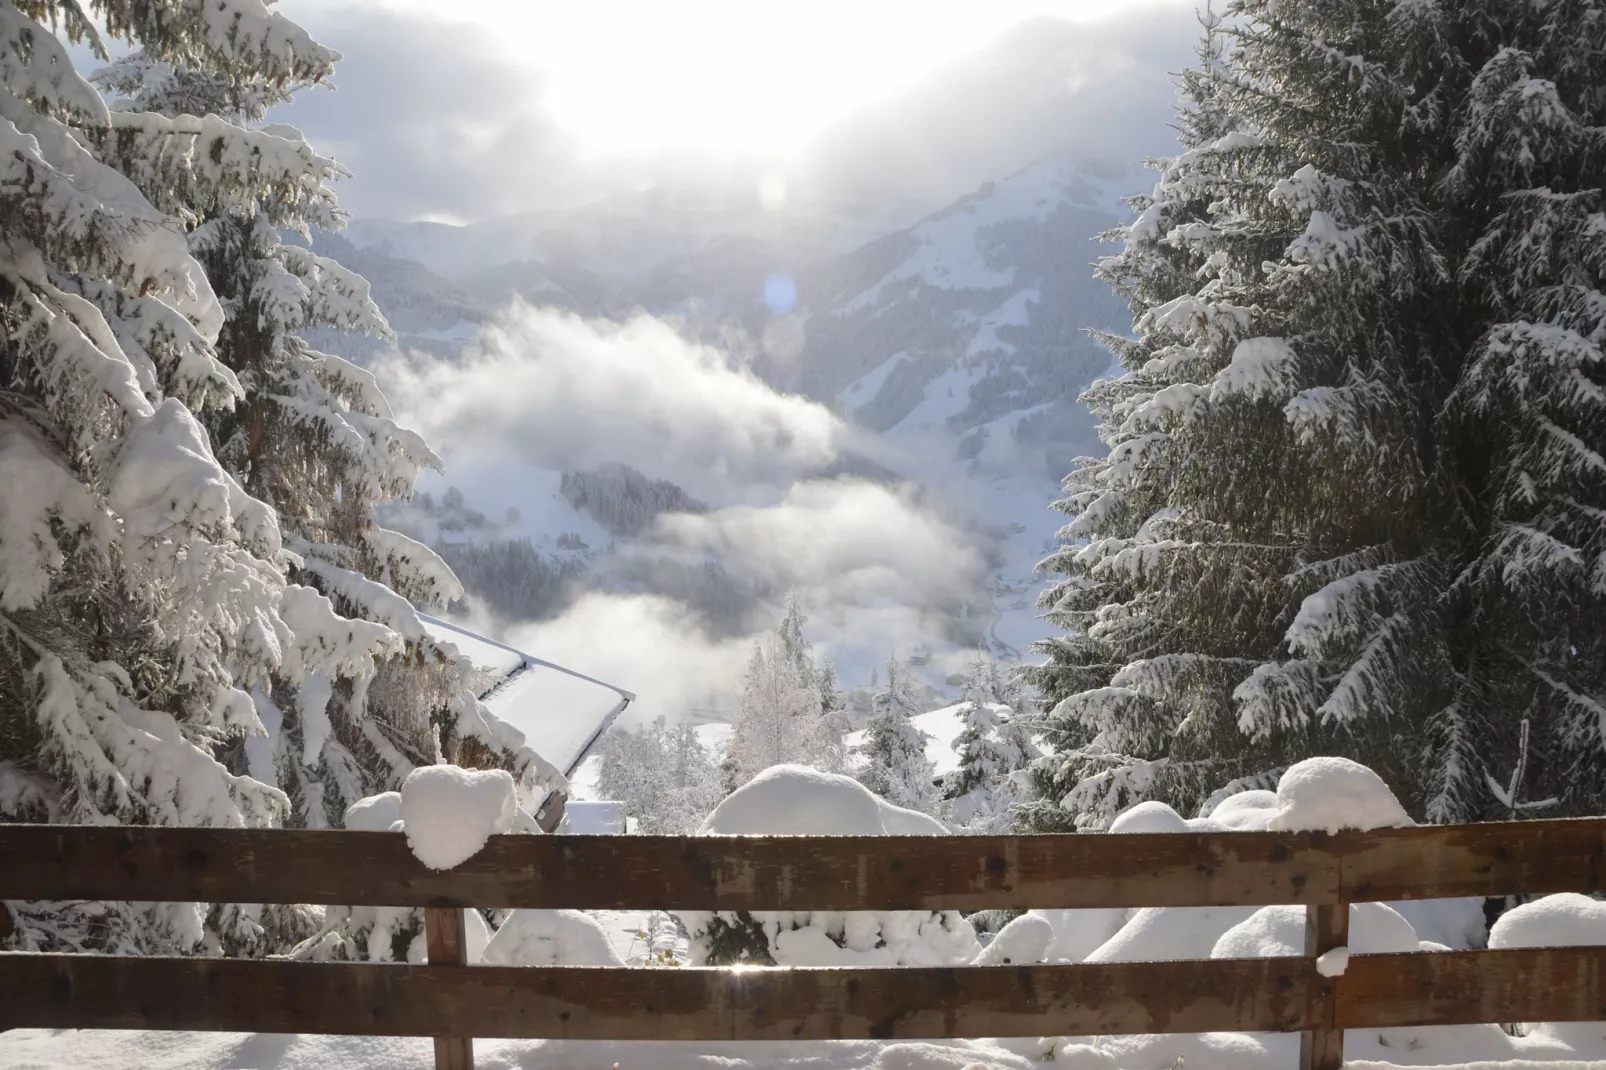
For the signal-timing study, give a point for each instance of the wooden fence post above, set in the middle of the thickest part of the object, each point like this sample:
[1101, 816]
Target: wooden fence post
[1326, 927]
[447, 941]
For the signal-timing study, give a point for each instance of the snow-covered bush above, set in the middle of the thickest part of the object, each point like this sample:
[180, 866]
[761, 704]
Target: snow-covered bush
[1564, 920]
[790, 800]
[550, 938]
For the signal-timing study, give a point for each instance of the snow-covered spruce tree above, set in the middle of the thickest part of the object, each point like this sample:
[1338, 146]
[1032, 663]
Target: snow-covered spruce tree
[995, 744]
[143, 591]
[1355, 492]
[893, 755]
[817, 674]
[312, 436]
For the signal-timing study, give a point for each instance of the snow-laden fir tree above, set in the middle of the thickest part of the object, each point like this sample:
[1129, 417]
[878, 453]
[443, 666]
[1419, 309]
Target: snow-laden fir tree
[1355, 494]
[892, 758]
[313, 436]
[145, 594]
[143, 591]
[994, 745]
[663, 775]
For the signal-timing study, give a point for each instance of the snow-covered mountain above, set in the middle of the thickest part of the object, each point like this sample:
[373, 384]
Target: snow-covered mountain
[969, 324]
[955, 339]
[663, 251]
[426, 311]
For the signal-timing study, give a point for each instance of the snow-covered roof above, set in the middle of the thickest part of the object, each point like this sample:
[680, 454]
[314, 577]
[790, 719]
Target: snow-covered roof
[594, 818]
[562, 713]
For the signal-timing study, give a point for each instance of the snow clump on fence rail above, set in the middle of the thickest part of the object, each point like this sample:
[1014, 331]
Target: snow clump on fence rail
[448, 813]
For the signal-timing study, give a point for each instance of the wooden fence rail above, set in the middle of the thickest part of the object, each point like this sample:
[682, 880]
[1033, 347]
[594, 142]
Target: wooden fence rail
[453, 1003]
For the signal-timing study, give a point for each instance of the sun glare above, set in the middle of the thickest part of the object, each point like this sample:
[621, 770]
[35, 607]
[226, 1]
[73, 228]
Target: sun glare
[751, 78]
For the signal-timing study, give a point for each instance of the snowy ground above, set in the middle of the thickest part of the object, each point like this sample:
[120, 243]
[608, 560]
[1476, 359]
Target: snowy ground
[65, 1050]
[121, 1050]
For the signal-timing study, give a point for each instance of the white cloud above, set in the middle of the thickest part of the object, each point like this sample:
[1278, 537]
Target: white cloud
[878, 568]
[848, 543]
[547, 389]
[646, 645]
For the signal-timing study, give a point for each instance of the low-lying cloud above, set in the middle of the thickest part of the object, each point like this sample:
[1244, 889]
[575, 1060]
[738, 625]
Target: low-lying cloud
[551, 390]
[849, 541]
[878, 567]
[648, 645]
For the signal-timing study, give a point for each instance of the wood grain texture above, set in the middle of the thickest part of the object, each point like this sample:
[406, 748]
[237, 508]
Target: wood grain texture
[786, 873]
[1441, 988]
[1496, 858]
[1326, 928]
[693, 873]
[446, 939]
[445, 936]
[72, 991]
[1546, 984]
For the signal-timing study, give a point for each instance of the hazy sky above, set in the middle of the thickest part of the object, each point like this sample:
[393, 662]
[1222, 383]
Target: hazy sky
[753, 76]
[480, 108]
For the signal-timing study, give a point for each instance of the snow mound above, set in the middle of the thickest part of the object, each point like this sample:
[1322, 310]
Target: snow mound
[1150, 817]
[1328, 794]
[1272, 932]
[1083, 1057]
[450, 812]
[1333, 963]
[1247, 811]
[1458, 924]
[551, 938]
[1079, 933]
[1022, 942]
[1564, 920]
[813, 946]
[899, 821]
[795, 800]
[1155, 934]
[376, 813]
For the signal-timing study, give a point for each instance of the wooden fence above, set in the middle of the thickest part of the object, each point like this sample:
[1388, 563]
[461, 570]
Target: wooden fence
[453, 1002]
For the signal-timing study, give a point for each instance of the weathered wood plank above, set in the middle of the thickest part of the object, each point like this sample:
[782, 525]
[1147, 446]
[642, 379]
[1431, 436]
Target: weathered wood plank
[1326, 928]
[446, 939]
[1548, 984]
[788, 873]
[68, 991]
[1496, 858]
[707, 873]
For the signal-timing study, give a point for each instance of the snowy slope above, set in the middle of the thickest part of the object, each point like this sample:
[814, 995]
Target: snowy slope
[972, 315]
[941, 728]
